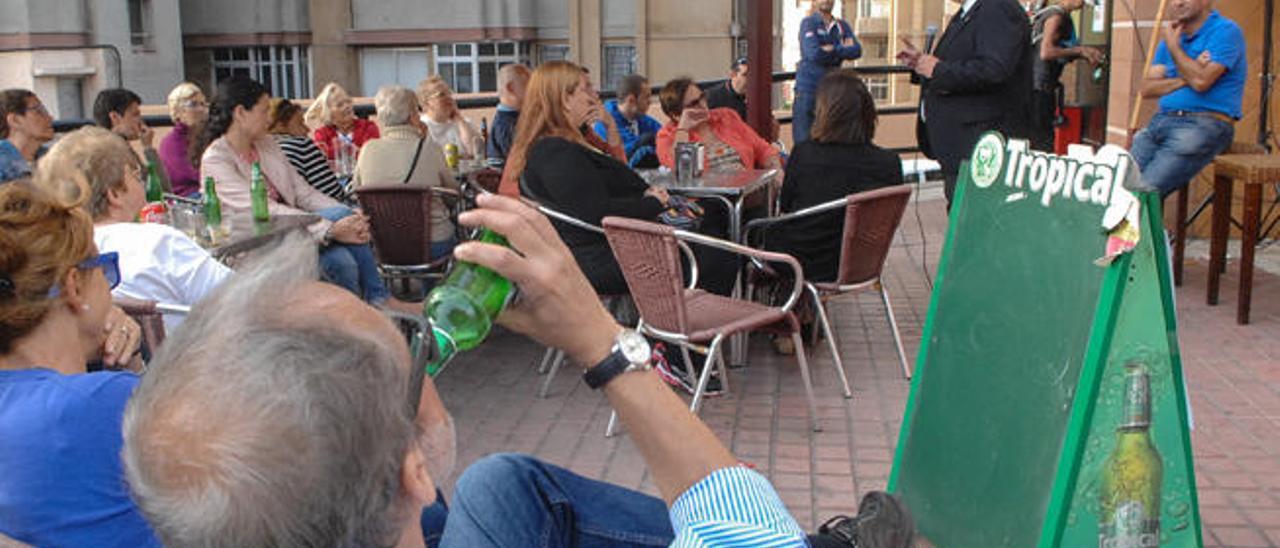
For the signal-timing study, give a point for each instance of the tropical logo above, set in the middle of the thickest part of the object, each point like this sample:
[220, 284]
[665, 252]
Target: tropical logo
[988, 159]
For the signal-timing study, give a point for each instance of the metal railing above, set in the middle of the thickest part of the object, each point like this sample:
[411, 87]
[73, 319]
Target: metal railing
[491, 101]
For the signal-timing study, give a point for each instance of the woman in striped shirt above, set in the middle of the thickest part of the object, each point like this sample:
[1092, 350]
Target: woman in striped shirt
[303, 154]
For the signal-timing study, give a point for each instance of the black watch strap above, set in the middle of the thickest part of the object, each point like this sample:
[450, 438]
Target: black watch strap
[613, 365]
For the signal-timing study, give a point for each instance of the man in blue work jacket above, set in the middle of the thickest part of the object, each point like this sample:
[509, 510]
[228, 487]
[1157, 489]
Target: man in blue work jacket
[824, 42]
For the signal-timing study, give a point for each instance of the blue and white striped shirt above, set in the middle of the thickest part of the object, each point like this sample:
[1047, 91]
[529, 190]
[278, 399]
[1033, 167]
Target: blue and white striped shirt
[733, 507]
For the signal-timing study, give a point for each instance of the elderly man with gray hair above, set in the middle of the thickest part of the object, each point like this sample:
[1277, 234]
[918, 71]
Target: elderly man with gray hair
[282, 414]
[405, 155]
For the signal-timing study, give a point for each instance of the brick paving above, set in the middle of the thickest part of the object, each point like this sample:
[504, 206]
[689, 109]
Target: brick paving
[1233, 373]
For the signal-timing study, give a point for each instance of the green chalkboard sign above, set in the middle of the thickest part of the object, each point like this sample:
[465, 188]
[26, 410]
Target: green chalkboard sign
[1048, 407]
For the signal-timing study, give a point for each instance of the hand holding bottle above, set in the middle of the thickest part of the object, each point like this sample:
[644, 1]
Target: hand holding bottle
[557, 306]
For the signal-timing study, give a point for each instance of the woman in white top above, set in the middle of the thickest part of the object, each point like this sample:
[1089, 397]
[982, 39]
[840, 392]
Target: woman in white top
[157, 262]
[405, 156]
[444, 120]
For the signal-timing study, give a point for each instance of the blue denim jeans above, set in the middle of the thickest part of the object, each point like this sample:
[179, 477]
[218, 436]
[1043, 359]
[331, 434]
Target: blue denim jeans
[515, 500]
[802, 116]
[351, 266]
[1173, 149]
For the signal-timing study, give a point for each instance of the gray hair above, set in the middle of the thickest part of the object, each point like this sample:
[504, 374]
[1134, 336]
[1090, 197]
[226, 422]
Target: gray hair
[251, 429]
[396, 105]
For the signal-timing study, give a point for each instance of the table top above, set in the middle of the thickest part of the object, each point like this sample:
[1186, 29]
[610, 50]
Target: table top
[731, 183]
[1248, 168]
[247, 234]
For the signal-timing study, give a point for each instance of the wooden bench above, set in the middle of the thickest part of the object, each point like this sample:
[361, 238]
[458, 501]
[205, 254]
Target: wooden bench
[1253, 171]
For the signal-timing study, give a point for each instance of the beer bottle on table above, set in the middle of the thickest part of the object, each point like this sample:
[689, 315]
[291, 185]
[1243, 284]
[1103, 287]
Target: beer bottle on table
[212, 205]
[463, 307]
[155, 190]
[258, 194]
[1132, 475]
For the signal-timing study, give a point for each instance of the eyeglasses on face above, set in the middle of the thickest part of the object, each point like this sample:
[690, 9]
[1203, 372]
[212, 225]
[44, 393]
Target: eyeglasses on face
[109, 263]
[701, 100]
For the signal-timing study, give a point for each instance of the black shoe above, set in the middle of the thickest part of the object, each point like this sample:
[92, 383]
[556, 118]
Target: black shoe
[882, 522]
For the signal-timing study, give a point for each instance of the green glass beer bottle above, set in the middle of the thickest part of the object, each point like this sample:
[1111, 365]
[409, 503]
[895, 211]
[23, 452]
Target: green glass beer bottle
[212, 205]
[258, 195]
[463, 307]
[1132, 475]
[155, 190]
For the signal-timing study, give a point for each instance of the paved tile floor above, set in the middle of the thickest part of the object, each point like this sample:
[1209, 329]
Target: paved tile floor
[1233, 373]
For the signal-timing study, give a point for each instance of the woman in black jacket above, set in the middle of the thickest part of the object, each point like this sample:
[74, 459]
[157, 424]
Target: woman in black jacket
[560, 167]
[838, 160]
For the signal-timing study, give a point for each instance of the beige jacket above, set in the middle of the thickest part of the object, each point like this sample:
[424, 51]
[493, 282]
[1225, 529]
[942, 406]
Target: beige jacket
[384, 162]
[232, 175]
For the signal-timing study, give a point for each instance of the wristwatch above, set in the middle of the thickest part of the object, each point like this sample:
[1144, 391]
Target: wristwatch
[630, 352]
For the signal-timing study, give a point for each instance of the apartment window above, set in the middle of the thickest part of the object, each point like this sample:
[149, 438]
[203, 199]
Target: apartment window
[553, 52]
[390, 66]
[619, 61]
[140, 25]
[873, 9]
[878, 85]
[875, 47]
[284, 70]
[473, 67]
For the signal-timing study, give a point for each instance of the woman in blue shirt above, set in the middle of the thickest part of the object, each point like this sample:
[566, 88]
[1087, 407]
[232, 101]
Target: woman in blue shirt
[60, 438]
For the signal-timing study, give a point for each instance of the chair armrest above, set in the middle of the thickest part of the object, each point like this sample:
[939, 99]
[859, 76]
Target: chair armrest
[810, 211]
[754, 254]
[569, 219]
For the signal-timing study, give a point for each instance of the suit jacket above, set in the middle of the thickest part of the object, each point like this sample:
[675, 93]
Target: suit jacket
[982, 81]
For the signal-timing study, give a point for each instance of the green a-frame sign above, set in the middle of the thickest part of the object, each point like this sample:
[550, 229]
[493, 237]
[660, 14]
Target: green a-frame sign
[1025, 425]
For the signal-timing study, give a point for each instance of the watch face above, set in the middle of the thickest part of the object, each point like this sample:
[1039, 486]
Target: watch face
[634, 347]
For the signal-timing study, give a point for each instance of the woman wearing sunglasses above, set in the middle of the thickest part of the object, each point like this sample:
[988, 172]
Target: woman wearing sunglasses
[160, 263]
[60, 436]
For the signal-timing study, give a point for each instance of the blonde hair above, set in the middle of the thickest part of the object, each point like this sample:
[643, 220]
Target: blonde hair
[542, 113]
[431, 87]
[44, 233]
[96, 156]
[179, 93]
[318, 114]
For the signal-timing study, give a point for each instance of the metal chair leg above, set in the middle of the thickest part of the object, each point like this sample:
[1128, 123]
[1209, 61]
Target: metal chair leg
[724, 371]
[893, 326]
[547, 358]
[808, 382]
[611, 429]
[821, 312]
[551, 375]
[706, 373]
[688, 365]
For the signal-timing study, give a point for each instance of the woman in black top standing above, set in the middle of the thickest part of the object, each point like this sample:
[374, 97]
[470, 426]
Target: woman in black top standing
[838, 160]
[560, 168]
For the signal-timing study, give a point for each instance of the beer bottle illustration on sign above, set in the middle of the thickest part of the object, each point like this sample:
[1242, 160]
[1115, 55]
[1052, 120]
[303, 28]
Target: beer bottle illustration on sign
[1132, 475]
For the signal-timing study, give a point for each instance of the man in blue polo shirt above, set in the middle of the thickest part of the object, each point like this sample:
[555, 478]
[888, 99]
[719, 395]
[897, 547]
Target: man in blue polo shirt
[824, 43]
[1198, 73]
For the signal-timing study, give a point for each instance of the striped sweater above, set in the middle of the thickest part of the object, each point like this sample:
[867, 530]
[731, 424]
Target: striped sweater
[307, 159]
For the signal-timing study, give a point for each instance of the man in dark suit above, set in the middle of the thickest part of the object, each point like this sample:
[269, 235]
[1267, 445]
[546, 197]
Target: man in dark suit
[977, 78]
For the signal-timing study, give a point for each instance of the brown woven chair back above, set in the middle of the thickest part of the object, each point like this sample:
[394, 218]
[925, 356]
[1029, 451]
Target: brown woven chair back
[871, 219]
[400, 221]
[650, 262]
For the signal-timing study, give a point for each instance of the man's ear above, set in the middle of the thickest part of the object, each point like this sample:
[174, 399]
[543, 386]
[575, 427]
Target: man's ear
[115, 118]
[415, 480]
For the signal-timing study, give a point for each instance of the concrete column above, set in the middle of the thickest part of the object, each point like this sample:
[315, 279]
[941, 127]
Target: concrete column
[591, 46]
[331, 59]
[641, 40]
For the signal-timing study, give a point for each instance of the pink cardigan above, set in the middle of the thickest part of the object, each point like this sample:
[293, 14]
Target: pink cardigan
[232, 173]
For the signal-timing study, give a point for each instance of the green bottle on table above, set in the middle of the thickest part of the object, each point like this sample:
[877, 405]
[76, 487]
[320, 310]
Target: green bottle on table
[258, 195]
[155, 190]
[212, 205]
[463, 307]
